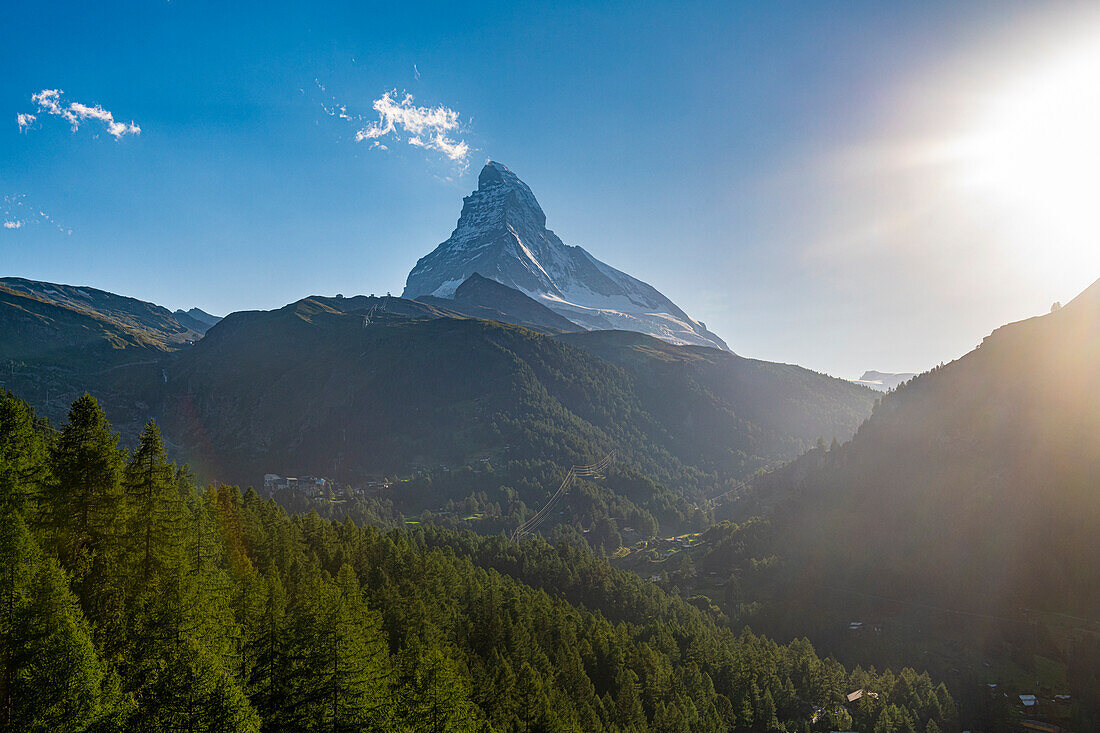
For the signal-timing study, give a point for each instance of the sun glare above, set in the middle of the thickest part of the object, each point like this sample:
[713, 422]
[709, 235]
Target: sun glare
[1035, 151]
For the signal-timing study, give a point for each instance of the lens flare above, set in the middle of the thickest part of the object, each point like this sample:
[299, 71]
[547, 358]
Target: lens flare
[1034, 150]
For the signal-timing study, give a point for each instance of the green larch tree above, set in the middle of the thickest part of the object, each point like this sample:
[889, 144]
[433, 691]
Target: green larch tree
[155, 512]
[436, 695]
[84, 497]
[51, 673]
[22, 456]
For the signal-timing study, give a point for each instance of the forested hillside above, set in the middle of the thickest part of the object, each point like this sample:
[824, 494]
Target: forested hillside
[696, 391]
[981, 473]
[475, 412]
[133, 599]
[343, 390]
[961, 518]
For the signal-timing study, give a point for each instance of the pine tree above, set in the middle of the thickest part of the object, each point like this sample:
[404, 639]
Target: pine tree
[85, 495]
[437, 696]
[186, 666]
[51, 674]
[531, 698]
[192, 690]
[155, 512]
[337, 661]
[22, 456]
[265, 647]
[628, 702]
[839, 718]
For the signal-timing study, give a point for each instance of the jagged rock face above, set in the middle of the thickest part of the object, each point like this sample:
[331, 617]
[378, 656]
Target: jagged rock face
[502, 235]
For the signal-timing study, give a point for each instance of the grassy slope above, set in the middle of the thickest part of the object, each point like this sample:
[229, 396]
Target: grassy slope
[59, 341]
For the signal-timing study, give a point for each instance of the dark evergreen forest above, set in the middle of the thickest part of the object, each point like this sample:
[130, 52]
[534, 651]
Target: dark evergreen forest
[133, 599]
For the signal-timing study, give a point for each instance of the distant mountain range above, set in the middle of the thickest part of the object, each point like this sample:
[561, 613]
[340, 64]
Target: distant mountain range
[317, 387]
[502, 235]
[362, 386]
[92, 317]
[884, 381]
[58, 341]
[198, 318]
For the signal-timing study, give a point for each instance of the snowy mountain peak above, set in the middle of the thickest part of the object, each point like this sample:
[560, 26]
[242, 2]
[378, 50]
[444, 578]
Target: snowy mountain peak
[502, 235]
[497, 173]
[500, 187]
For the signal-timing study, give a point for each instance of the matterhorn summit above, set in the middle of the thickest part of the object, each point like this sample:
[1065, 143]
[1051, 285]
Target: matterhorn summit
[502, 235]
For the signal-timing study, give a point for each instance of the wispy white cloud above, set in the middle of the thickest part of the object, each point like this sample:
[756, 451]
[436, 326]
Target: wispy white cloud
[334, 108]
[424, 127]
[430, 128]
[416, 72]
[76, 114]
[16, 214]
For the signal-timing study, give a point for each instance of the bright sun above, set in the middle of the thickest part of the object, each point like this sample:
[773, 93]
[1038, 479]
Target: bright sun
[1035, 151]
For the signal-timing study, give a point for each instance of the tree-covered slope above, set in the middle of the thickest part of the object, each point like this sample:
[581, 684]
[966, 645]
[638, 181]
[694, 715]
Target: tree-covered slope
[699, 390]
[977, 483]
[136, 601]
[360, 387]
[957, 529]
[312, 390]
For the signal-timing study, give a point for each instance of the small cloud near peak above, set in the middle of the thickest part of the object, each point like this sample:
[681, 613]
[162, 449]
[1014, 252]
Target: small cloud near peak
[425, 127]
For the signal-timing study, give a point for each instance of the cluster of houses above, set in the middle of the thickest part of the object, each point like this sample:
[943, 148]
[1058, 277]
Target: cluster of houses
[1037, 712]
[479, 467]
[316, 486]
[665, 547]
[309, 485]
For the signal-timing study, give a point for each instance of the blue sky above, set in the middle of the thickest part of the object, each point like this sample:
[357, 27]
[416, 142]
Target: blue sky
[693, 145]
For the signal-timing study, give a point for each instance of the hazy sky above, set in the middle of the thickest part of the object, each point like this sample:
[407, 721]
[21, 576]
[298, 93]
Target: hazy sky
[842, 185]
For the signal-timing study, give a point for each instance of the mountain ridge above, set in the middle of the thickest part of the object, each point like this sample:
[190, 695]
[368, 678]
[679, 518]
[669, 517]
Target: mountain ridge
[983, 468]
[146, 323]
[197, 318]
[354, 387]
[481, 297]
[403, 351]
